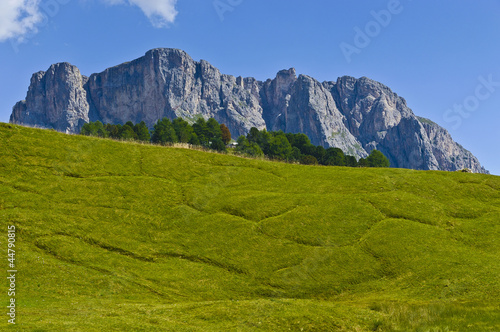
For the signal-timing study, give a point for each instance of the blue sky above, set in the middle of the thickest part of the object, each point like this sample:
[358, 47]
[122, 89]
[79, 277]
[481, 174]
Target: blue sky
[441, 56]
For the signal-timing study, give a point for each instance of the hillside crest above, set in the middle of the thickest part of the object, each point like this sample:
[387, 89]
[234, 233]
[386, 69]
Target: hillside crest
[356, 115]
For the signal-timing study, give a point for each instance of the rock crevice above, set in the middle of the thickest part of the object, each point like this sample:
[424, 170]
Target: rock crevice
[356, 115]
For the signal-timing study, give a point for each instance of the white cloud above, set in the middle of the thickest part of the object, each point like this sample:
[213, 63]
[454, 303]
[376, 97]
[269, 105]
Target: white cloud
[18, 18]
[159, 12]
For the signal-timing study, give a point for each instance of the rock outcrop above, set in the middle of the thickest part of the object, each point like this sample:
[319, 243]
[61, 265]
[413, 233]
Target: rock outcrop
[356, 115]
[56, 99]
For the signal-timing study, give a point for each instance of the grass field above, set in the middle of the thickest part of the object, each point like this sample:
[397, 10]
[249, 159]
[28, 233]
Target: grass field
[115, 236]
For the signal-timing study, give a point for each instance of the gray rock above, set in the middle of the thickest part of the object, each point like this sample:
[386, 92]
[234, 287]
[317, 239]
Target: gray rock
[56, 99]
[356, 115]
[449, 154]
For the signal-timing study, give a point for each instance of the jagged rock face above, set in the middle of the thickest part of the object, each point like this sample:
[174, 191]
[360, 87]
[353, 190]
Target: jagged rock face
[381, 120]
[449, 154]
[303, 105]
[56, 99]
[167, 82]
[356, 115]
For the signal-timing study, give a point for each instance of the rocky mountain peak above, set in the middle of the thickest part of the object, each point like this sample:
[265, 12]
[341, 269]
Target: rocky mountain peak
[356, 115]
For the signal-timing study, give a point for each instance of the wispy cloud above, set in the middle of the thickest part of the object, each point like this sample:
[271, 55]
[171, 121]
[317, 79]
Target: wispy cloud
[160, 12]
[18, 18]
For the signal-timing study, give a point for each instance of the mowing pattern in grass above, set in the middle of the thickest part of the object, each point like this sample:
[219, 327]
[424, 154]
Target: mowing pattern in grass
[122, 236]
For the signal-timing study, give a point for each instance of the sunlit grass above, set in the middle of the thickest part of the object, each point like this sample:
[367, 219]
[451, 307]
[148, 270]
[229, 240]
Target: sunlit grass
[117, 236]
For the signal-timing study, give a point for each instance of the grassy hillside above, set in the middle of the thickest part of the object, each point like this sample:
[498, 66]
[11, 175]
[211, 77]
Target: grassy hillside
[118, 236]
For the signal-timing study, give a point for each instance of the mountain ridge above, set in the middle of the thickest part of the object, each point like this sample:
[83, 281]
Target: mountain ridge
[356, 115]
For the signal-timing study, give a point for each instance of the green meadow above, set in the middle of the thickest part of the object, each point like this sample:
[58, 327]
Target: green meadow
[117, 236]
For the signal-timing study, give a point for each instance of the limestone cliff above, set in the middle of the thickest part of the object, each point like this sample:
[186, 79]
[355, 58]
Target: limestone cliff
[356, 115]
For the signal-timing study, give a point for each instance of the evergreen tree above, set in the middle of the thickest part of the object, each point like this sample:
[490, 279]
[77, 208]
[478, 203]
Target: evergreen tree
[377, 159]
[351, 161]
[279, 147]
[301, 141]
[201, 130]
[249, 148]
[183, 130]
[320, 154]
[142, 132]
[164, 132]
[127, 132]
[94, 129]
[194, 139]
[296, 155]
[309, 149]
[335, 157]
[113, 130]
[214, 130]
[308, 160]
[264, 141]
[218, 145]
[88, 129]
[253, 135]
[362, 162]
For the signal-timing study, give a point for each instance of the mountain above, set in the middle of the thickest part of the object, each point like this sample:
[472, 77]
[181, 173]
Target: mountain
[356, 115]
[120, 236]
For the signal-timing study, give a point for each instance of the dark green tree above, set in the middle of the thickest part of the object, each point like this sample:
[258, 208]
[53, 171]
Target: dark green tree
[351, 161]
[88, 129]
[94, 129]
[142, 132]
[261, 138]
[164, 132]
[194, 140]
[218, 145]
[214, 130]
[253, 135]
[309, 149]
[301, 141]
[362, 163]
[127, 132]
[296, 155]
[320, 154]
[201, 130]
[308, 160]
[248, 148]
[279, 147]
[183, 130]
[335, 157]
[113, 130]
[377, 159]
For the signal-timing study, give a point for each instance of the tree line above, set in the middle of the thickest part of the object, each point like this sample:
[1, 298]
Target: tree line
[298, 148]
[209, 134]
[212, 135]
